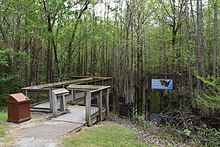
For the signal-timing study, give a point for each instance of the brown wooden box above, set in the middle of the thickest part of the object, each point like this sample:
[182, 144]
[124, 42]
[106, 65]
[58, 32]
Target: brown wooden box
[18, 108]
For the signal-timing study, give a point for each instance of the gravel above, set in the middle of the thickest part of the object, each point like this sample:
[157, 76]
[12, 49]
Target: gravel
[33, 142]
[1, 142]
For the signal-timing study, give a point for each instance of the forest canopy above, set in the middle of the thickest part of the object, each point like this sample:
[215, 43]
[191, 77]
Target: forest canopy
[50, 40]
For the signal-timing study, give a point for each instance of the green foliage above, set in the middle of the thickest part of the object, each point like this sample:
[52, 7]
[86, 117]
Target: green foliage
[106, 135]
[187, 132]
[143, 123]
[213, 137]
[3, 107]
[5, 56]
[195, 137]
[167, 133]
[207, 136]
[9, 81]
[210, 95]
[8, 84]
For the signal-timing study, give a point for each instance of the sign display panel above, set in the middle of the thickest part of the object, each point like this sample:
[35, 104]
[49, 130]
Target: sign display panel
[164, 84]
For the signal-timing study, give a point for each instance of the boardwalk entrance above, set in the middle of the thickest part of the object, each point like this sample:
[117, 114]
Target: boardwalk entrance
[86, 104]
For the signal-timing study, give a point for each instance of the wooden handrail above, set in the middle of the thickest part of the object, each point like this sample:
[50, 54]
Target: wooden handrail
[101, 88]
[50, 85]
[88, 103]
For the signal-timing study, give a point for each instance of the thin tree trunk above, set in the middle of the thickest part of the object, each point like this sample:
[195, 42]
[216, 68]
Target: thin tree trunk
[200, 49]
[189, 57]
[216, 31]
[49, 45]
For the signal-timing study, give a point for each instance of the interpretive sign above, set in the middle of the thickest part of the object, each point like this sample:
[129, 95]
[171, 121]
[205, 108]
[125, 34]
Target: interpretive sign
[157, 84]
[165, 84]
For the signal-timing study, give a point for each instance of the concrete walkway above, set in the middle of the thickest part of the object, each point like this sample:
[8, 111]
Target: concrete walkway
[50, 130]
[44, 133]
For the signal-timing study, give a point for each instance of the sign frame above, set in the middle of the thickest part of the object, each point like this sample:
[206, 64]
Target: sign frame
[149, 89]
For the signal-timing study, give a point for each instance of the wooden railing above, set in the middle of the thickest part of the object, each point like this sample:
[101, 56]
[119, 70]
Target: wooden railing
[46, 89]
[93, 92]
[103, 93]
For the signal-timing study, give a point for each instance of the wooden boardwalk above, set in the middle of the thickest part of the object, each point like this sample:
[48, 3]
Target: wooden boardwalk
[90, 102]
[76, 114]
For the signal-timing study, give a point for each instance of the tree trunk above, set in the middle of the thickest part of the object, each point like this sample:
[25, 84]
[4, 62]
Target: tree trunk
[189, 58]
[200, 49]
[216, 31]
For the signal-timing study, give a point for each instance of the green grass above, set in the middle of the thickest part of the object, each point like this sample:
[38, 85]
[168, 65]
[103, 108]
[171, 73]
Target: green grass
[3, 116]
[2, 130]
[3, 127]
[110, 135]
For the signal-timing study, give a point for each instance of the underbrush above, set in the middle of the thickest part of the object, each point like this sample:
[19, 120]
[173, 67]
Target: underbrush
[190, 135]
[9, 84]
[3, 107]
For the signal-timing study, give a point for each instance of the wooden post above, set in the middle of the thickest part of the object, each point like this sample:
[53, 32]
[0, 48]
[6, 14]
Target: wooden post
[62, 103]
[54, 103]
[85, 93]
[88, 108]
[107, 102]
[100, 105]
[26, 93]
[50, 100]
[73, 93]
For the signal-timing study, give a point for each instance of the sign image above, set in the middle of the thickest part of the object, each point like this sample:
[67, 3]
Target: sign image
[166, 84]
